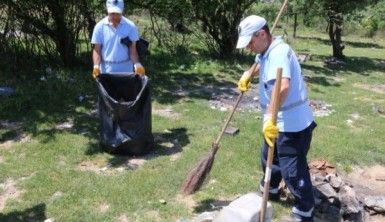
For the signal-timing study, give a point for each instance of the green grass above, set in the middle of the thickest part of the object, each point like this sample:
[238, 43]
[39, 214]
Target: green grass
[47, 168]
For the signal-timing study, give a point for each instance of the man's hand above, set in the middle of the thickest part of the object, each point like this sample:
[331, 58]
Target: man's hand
[96, 71]
[139, 69]
[270, 131]
[244, 82]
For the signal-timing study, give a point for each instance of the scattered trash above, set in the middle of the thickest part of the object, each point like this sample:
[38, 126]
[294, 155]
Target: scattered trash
[81, 98]
[6, 91]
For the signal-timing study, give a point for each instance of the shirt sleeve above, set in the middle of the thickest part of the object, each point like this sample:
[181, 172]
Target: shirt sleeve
[280, 59]
[133, 33]
[97, 37]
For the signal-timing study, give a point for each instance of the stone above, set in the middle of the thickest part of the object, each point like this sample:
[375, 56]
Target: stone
[349, 201]
[207, 216]
[231, 131]
[335, 181]
[375, 203]
[246, 208]
[326, 191]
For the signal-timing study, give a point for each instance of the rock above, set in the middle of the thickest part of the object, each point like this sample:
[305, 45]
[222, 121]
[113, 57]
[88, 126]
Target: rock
[375, 203]
[349, 201]
[231, 131]
[327, 191]
[244, 209]
[205, 216]
[335, 181]
[303, 57]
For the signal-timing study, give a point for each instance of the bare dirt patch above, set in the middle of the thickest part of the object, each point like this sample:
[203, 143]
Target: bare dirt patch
[167, 113]
[8, 190]
[103, 207]
[378, 88]
[187, 201]
[370, 180]
[153, 215]
[123, 218]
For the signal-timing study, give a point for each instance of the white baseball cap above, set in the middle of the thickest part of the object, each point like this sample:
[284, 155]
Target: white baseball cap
[115, 6]
[247, 28]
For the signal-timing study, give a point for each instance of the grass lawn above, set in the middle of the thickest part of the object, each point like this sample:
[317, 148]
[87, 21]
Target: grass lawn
[51, 165]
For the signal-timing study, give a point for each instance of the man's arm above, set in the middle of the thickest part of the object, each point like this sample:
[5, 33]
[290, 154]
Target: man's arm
[133, 53]
[96, 54]
[138, 68]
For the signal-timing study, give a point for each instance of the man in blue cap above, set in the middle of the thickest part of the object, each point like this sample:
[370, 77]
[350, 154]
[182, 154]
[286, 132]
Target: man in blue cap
[295, 121]
[111, 53]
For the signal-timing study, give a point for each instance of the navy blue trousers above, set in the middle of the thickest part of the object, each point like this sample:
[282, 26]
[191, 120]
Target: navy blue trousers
[290, 164]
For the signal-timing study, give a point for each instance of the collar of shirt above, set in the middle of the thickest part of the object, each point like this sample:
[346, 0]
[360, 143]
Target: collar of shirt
[107, 22]
[277, 40]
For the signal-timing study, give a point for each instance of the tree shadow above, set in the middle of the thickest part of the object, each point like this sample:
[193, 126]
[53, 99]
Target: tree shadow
[347, 42]
[35, 213]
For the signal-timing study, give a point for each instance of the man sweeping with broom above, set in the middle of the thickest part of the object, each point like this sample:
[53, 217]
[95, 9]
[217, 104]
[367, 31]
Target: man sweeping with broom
[295, 122]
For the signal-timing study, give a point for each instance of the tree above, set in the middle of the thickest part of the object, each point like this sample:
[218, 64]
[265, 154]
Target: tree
[60, 20]
[334, 11]
[219, 19]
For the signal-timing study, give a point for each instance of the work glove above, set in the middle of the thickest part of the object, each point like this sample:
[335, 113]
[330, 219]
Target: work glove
[96, 71]
[244, 82]
[270, 131]
[139, 69]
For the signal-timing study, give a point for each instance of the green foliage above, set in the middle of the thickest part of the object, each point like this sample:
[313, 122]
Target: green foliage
[50, 28]
[219, 19]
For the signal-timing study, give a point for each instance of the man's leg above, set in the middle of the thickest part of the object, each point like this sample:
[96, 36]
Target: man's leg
[292, 151]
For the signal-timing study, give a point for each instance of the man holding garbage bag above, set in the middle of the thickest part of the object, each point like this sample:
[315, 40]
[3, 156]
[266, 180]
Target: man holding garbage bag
[114, 43]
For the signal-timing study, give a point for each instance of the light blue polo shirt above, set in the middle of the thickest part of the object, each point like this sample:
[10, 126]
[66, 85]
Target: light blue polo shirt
[295, 113]
[115, 55]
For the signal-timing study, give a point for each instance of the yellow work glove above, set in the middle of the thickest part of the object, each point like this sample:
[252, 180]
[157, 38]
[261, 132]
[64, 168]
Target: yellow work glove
[270, 131]
[96, 71]
[139, 69]
[244, 82]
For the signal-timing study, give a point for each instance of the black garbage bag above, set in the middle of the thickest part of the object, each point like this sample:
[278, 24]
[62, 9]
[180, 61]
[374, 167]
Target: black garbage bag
[125, 114]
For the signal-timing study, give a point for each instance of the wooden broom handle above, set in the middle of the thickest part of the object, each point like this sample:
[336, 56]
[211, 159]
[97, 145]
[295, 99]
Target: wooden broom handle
[274, 103]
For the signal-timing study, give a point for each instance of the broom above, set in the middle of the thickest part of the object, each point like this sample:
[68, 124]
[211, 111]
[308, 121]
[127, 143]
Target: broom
[198, 174]
[275, 102]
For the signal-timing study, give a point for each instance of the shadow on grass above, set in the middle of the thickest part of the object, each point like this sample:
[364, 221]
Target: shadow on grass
[44, 103]
[36, 213]
[166, 144]
[350, 43]
[210, 205]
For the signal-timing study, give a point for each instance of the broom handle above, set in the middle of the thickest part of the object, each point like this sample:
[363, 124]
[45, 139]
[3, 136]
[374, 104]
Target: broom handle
[228, 120]
[255, 69]
[279, 15]
[275, 102]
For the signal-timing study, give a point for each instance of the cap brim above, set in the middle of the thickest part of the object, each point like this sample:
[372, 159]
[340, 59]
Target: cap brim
[114, 9]
[243, 41]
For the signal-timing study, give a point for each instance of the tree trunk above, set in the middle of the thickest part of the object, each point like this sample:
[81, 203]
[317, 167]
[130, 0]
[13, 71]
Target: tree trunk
[295, 26]
[335, 31]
